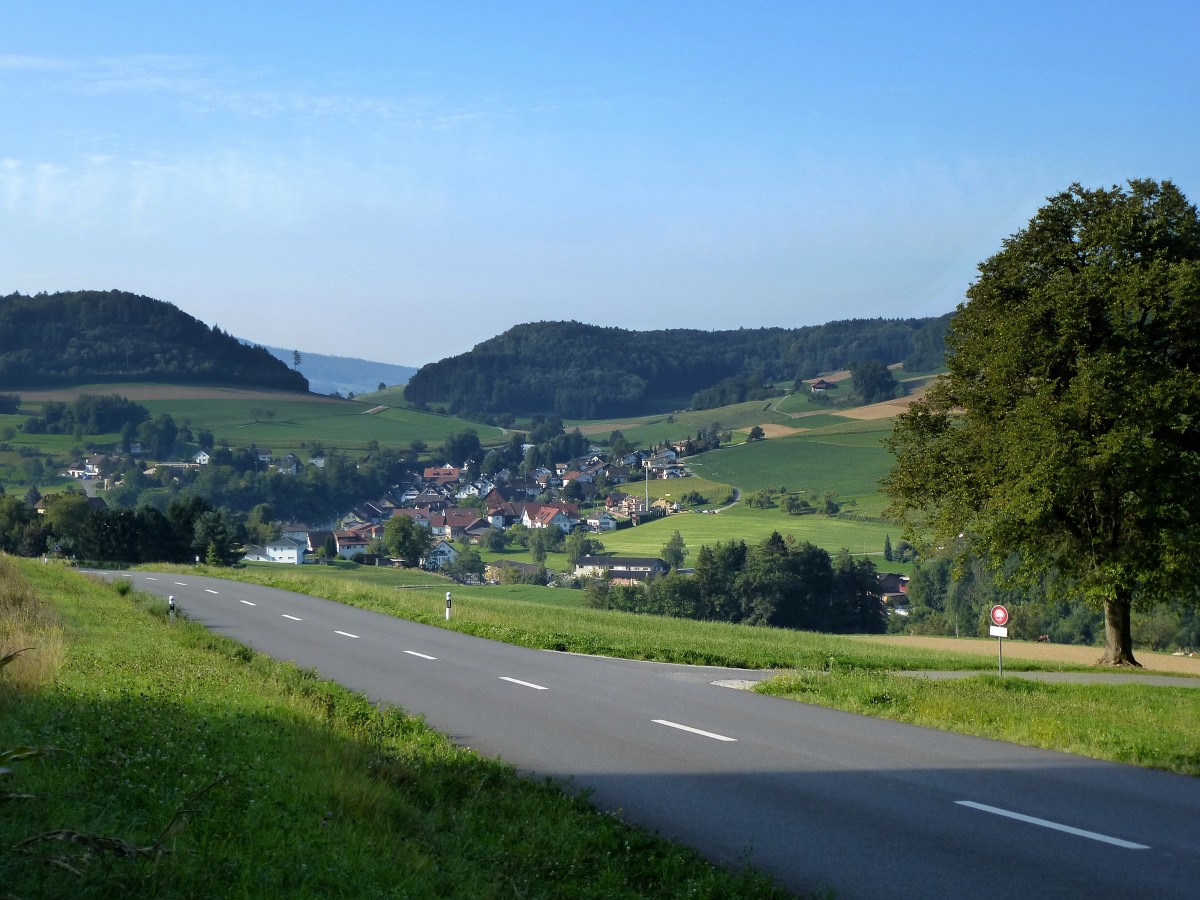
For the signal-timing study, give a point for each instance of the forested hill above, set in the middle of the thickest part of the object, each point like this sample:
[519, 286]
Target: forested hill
[84, 337]
[586, 371]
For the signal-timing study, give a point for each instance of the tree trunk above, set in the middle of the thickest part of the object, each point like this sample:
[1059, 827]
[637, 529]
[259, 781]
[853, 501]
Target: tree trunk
[1118, 636]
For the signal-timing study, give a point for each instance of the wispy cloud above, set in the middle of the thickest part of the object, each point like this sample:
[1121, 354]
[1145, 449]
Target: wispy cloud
[202, 85]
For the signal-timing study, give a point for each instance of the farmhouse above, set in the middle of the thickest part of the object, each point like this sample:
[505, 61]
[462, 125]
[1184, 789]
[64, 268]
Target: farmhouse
[622, 569]
[280, 550]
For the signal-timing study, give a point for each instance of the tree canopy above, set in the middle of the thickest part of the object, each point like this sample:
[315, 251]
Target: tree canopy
[586, 371]
[1065, 440]
[78, 337]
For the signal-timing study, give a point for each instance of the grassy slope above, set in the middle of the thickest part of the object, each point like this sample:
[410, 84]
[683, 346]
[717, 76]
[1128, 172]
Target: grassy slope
[847, 458]
[346, 425]
[343, 424]
[292, 786]
[750, 525]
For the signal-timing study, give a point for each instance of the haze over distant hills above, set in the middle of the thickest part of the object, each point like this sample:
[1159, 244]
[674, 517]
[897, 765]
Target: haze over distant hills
[344, 374]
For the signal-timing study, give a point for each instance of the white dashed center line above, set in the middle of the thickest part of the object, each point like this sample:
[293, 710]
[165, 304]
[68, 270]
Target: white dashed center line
[1046, 823]
[293, 618]
[209, 591]
[346, 634]
[528, 684]
[422, 655]
[181, 583]
[151, 578]
[248, 603]
[702, 733]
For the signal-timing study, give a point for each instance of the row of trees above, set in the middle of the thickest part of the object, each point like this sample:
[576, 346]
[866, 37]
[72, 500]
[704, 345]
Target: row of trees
[189, 528]
[87, 414]
[949, 596]
[777, 582]
[738, 389]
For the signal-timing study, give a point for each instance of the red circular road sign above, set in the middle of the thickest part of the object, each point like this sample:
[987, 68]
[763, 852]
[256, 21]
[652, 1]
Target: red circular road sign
[999, 615]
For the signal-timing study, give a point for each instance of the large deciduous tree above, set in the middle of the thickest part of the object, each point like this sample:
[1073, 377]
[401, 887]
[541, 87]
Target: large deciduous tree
[1066, 433]
[407, 540]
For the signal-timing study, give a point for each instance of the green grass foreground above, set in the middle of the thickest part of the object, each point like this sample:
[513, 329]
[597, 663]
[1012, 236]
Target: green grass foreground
[187, 766]
[1145, 725]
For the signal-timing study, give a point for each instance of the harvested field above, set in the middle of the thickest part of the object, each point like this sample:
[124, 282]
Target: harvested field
[606, 428]
[1071, 654]
[773, 430]
[885, 410]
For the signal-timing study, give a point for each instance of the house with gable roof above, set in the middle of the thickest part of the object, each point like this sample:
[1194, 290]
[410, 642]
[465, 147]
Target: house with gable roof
[621, 569]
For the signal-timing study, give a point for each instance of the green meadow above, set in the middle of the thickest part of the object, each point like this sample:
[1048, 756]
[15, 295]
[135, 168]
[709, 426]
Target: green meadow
[647, 430]
[751, 525]
[345, 424]
[144, 757]
[847, 458]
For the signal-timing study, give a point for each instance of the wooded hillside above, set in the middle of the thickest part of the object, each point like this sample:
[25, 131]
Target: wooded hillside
[81, 337]
[585, 371]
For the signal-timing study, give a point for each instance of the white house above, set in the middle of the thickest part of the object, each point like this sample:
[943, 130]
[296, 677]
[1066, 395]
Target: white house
[439, 556]
[621, 569]
[202, 458]
[348, 543]
[285, 550]
[280, 550]
[547, 517]
[602, 521]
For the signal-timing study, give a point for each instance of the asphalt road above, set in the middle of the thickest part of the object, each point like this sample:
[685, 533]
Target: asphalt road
[819, 798]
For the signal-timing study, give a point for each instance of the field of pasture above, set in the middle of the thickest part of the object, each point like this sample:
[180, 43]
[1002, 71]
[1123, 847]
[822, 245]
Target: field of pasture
[280, 420]
[742, 523]
[845, 457]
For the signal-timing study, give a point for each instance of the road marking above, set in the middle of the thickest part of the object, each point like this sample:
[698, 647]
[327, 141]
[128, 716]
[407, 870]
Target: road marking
[422, 655]
[293, 618]
[528, 684]
[248, 603]
[181, 583]
[126, 575]
[702, 733]
[346, 634]
[1045, 823]
[209, 591]
[151, 578]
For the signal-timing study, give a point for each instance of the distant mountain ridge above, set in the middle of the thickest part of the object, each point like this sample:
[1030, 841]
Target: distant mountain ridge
[88, 337]
[344, 374]
[581, 371]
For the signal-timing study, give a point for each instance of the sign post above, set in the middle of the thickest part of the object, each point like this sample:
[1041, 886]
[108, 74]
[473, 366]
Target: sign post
[999, 630]
[447, 606]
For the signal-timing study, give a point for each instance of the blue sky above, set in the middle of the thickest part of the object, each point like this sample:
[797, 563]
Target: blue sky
[401, 181]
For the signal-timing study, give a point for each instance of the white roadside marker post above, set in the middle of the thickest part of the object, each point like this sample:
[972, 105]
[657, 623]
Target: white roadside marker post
[447, 606]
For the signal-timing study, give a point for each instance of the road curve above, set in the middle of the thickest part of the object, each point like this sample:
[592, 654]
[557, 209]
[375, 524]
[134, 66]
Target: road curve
[817, 797]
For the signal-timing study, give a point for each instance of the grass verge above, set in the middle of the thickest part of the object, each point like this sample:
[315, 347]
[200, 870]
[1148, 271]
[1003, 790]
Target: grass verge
[1157, 727]
[186, 765]
[559, 621]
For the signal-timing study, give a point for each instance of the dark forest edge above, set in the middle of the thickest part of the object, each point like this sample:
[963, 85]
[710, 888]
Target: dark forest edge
[95, 337]
[580, 371]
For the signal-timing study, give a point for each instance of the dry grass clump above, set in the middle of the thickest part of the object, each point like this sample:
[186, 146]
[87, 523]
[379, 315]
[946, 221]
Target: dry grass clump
[31, 634]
